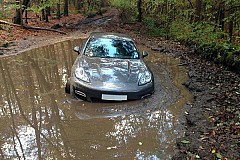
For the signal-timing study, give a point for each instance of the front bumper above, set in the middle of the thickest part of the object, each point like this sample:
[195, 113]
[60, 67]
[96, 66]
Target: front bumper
[92, 94]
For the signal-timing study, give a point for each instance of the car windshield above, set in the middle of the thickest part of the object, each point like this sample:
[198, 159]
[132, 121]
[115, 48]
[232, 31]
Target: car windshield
[111, 48]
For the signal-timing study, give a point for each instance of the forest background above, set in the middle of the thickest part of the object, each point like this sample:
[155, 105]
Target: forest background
[211, 27]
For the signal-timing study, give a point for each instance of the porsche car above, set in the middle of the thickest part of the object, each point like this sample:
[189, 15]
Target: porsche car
[110, 67]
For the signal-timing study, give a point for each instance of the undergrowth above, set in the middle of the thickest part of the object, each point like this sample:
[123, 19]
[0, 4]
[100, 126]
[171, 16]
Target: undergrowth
[207, 40]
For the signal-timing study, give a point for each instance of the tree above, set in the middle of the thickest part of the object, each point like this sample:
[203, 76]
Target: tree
[198, 9]
[78, 5]
[100, 6]
[139, 6]
[65, 11]
[17, 19]
[58, 10]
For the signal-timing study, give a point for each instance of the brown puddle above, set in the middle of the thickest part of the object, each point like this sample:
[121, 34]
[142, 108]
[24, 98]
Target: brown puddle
[39, 121]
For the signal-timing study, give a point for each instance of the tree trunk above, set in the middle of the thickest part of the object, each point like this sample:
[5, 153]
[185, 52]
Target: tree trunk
[48, 11]
[100, 6]
[65, 12]
[79, 6]
[139, 6]
[43, 14]
[230, 26]
[58, 10]
[198, 9]
[46, 16]
[222, 16]
[25, 4]
[26, 17]
[17, 19]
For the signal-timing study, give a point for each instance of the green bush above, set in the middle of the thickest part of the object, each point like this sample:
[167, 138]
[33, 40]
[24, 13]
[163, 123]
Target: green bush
[103, 10]
[208, 42]
[153, 28]
[128, 9]
[195, 33]
[91, 14]
[121, 4]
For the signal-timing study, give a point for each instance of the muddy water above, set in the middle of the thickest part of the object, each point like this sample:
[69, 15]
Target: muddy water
[39, 121]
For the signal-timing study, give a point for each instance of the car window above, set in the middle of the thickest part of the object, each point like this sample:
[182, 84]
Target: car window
[111, 48]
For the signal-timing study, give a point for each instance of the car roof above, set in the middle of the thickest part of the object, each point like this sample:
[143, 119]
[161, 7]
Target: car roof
[110, 35]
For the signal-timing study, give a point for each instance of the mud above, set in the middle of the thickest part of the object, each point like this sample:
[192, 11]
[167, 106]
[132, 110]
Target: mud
[213, 119]
[39, 121]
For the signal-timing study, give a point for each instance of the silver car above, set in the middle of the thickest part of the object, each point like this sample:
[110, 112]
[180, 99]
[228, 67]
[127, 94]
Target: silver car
[109, 67]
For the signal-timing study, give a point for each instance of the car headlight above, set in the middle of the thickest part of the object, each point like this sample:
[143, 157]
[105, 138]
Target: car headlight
[146, 77]
[81, 74]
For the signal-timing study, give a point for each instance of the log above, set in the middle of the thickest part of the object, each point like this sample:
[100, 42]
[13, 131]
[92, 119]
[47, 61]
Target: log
[11, 24]
[2, 48]
[31, 27]
[46, 29]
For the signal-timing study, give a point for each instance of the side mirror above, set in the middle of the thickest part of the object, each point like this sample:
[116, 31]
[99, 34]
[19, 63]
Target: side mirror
[144, 54]
[77, 49]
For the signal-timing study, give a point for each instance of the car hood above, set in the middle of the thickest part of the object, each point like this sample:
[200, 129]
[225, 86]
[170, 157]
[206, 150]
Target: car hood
[112, 70]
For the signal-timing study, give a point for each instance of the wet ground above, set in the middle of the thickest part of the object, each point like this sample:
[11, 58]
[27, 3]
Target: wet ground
[39, 121]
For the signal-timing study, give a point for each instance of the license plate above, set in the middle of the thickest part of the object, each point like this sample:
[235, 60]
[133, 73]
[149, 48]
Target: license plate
[114, 97]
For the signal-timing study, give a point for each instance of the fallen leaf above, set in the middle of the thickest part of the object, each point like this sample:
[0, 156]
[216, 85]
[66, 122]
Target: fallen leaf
[218, 155]
[185, 141]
